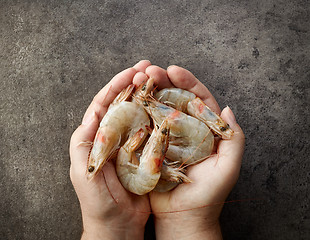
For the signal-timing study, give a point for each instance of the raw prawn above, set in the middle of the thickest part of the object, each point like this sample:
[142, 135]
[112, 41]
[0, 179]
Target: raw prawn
[171, 176]
[188, 102]
[173, 172]
[190, 139]
[122, 120]
[141, 176]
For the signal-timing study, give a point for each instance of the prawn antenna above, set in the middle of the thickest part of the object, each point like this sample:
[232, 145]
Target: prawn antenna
[151, 95]
[86, 144]
[154, 89]
[108, 188]
[208, 205]
[194, 208]
[195, 151]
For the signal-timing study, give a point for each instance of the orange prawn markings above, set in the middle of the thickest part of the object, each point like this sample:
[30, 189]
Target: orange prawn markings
[158, 162]
[174, 114]
[201, 107]
[100, 137]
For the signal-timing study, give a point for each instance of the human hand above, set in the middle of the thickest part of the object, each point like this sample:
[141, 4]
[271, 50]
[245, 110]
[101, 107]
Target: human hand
[102, 217]
[212, 179]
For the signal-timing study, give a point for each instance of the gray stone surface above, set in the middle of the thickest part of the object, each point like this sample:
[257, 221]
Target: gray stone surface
[252, 55]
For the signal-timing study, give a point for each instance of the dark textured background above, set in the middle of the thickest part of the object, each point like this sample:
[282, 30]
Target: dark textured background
[252, 55]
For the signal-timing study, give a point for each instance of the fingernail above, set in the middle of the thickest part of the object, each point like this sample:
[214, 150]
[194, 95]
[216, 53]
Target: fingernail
[231, 116]
[88, 119]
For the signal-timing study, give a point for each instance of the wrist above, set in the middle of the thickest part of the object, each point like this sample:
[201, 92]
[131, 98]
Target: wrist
[180, 226]
[96, 230]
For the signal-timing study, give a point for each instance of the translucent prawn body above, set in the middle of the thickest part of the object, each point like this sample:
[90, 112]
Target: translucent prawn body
[175, 97]
[189, 103]
[190, 139]
[141, 176]
[122, 120]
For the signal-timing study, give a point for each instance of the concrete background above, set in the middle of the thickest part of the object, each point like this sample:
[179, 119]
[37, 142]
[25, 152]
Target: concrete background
[252, 55]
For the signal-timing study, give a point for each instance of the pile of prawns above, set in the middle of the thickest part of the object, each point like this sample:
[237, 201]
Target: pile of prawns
[181, 134]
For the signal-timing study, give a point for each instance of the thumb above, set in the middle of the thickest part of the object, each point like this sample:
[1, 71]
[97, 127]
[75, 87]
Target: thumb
[230, 151]
[80, 143]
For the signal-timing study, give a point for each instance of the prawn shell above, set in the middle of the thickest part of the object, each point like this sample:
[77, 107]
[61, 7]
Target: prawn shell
[120, 122]
[189, 103]
[142, 178]
[175, 97]
[190, 139]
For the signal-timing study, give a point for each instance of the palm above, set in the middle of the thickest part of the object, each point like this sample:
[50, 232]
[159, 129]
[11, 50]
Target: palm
[124, 200]
[213, 178]
[212, 181]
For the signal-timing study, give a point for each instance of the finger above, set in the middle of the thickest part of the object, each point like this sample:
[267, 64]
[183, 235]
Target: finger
[139, 78]
[160, 76]
[231, 150]
[107, 94]
[142, 65]
[79, 151]
[182, 78]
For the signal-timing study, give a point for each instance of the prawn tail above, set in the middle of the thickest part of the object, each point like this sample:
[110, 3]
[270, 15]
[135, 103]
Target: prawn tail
[143, 92]
[145, 87]
[149, 129]
[124, 95]
[86, 144]
[171, 172]
[136, 140]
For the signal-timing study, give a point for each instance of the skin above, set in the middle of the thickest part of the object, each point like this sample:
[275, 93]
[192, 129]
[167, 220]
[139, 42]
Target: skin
[102, 217]
[213, 179]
